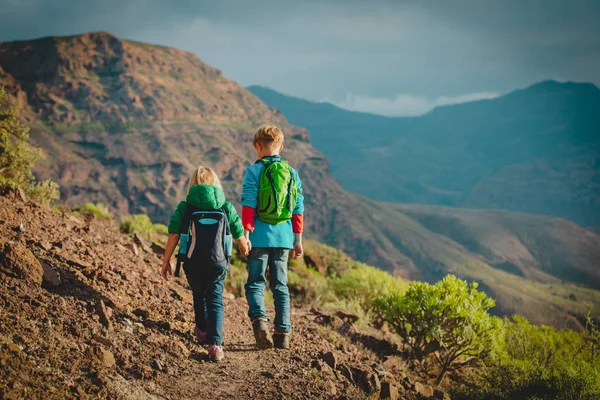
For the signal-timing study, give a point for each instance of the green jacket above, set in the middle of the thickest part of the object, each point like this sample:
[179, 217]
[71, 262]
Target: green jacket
[207, 198]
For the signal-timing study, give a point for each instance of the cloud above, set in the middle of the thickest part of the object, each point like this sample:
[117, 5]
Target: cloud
[404, 105]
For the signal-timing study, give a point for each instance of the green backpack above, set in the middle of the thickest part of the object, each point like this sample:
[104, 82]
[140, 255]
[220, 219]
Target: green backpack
[277, 192]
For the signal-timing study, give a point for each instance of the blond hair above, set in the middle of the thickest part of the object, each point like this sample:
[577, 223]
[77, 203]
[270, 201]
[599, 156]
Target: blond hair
[204, 176]
[269, 135]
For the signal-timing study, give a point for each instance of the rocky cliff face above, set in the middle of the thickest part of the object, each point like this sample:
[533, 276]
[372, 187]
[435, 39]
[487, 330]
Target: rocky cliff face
[125, 123]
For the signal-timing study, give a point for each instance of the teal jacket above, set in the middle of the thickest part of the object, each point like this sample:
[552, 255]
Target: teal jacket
[207, 198]
[266, 235]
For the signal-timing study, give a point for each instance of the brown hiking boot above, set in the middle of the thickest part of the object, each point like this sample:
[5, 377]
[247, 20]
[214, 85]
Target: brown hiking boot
[260, 327]
[281, 340]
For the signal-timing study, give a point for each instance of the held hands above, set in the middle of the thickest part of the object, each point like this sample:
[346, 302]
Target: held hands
[244, 245]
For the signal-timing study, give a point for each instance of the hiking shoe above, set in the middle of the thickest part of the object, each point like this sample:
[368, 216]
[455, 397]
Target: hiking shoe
[260, 327]
[281, 340]
[215, 353]
[200, 334]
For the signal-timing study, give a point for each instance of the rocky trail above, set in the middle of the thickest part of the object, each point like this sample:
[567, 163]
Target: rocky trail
[84, 314]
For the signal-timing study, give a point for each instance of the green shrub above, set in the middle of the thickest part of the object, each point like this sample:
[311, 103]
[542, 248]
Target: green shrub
[17, 156]
[138, 223]
[537, 362]
[98, 209]
[142, 225]
[448, 319]
[45, 192]
[364, 284]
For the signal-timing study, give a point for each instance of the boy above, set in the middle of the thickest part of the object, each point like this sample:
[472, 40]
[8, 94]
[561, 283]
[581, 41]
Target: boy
[272, 216]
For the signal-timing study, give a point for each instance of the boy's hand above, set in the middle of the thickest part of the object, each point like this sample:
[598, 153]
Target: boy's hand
[166, 270]
[297, 251]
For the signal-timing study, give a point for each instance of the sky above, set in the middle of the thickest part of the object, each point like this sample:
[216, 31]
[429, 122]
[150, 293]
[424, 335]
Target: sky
[390, 57]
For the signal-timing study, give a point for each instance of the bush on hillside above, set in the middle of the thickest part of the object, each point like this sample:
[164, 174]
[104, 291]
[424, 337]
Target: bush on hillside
[142, 225]
[364, 284]
[98, 209]
[448, 320]
[537, 362]
[44, 192]
[17, 156]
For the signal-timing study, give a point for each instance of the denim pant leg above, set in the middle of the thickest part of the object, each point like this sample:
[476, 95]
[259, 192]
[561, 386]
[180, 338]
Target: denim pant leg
[199, 293]
[215, 309]
[256, 284]
[278, 267]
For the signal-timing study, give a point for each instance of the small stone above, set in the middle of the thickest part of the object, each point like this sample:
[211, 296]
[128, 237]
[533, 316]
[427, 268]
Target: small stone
[18, 261]
[51, 278]
[184, 350]
[46, 245]
[346, 373]
[424, 390]
[379, 369]
[157, 365]
[101, 356]
[142, 313]
[330, 359]
[389, 391]
[104, 314]
[374, 383]
[133, 248]
[15, 348]
[166, 325]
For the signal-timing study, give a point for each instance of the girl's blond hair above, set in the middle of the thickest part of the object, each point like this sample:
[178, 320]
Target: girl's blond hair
[204, 176]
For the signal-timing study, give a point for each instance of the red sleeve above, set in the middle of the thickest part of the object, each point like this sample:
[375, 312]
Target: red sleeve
[298, 223]
[248, 218]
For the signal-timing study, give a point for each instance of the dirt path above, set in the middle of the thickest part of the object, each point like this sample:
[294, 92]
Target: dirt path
[111, 328]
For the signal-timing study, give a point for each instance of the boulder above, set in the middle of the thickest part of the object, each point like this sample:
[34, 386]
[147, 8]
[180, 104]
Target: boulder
[18, 261]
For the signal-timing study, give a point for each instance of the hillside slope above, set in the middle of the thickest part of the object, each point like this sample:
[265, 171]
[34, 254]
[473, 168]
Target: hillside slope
[535, 150]
[86, 315]
[124, 123]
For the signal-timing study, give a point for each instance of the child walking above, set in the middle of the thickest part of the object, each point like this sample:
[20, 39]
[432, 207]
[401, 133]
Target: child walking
[272, 216]
[205, 222]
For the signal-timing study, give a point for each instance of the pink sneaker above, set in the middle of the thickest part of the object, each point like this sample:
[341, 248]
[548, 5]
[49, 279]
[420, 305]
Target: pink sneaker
[200, 334]
[215, 353]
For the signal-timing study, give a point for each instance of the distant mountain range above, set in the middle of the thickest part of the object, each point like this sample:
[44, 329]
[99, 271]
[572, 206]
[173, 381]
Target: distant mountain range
[125, 123]
[535, 150]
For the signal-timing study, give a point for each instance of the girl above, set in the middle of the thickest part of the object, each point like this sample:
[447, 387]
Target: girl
[207, 278]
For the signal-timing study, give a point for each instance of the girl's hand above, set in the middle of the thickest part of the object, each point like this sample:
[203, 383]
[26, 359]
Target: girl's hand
[166, 270]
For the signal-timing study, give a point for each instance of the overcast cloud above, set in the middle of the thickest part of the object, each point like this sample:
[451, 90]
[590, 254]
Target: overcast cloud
[391, 57]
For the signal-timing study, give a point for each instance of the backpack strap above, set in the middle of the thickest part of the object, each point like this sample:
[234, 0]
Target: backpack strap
[184, 237]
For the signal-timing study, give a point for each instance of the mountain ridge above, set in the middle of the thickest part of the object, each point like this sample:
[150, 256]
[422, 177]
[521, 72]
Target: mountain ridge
[534, 150]
[136, 156]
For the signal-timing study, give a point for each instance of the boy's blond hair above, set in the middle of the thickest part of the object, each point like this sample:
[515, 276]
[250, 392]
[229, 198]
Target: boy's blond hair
[269, 135]
[204, 176]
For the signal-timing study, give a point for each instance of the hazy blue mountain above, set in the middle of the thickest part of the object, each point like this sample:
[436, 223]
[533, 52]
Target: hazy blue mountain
[535, 150]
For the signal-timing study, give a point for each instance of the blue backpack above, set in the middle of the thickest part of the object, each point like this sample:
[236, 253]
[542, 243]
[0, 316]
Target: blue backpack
[205, 239]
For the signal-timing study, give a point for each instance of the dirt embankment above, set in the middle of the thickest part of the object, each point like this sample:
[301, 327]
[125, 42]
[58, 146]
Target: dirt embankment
[83, 314]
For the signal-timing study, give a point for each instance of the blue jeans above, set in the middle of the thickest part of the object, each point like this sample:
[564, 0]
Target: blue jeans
[276, 260]
[207, 283]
